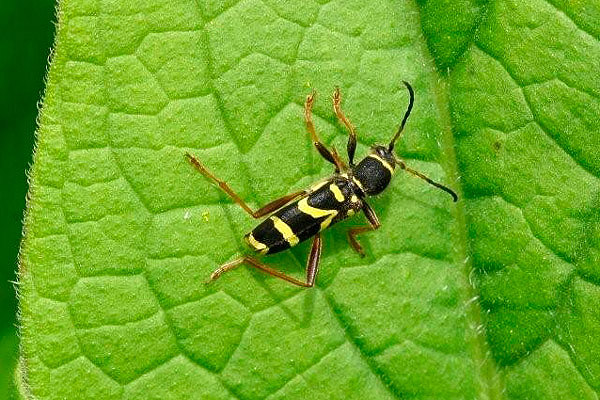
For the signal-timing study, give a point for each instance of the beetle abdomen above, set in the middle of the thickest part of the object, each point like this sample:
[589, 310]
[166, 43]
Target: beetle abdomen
[327, 203]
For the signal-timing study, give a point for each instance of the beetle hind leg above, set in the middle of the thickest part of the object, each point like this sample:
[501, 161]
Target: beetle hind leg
[312, 266]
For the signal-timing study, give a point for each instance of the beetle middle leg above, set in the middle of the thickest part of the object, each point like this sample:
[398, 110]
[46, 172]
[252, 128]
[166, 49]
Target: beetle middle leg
[330, 155]
[374, 224]
[337, 100]
[261, 212]
[312, 266]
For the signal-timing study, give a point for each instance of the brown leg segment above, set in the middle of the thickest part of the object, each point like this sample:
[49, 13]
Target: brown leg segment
[337, 100]
[312, 266]
[261, 212]
[428, 180]
[330, 156]
[314, 259]
[373, 225]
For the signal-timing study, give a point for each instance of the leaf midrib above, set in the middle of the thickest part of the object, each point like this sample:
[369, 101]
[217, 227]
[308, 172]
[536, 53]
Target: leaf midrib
[491, 385]
[489, 380]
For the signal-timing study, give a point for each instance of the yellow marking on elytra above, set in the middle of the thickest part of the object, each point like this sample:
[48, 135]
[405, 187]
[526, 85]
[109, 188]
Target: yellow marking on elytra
[285, 230]
[258, 246]
[318, 185]
[357, 182]
[317, 212]
[336, 192]
[350, 212]
[354, 199]
[383, 162]
[327, 221]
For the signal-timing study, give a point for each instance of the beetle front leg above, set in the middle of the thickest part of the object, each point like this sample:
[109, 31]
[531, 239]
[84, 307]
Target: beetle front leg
[337, 108]
[374, 224]
[330, 155]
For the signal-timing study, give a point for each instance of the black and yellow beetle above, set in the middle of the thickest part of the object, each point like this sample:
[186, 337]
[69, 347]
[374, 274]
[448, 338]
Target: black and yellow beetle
[304, 214]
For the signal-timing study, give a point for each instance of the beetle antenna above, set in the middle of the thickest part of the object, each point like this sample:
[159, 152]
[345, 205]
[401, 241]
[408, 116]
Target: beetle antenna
[406, 114]
[427, 179]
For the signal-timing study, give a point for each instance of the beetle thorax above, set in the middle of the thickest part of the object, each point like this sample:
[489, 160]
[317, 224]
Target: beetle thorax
[374, 172]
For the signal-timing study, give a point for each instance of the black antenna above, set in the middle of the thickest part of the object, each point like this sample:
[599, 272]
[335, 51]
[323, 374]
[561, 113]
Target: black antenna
[446, 189]
[406, 114]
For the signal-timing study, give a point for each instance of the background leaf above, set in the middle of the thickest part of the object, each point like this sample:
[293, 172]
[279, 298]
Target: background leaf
[493, 297]
[25, 43]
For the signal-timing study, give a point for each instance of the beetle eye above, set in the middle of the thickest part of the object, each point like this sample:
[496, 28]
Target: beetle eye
[380, 151]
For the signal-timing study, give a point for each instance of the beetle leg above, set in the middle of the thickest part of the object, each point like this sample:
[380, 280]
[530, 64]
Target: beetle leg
[277, 204]
[374, 224]
[314, 259]
[327, 154]
[337, 100]
[312, 266]
[261, 212]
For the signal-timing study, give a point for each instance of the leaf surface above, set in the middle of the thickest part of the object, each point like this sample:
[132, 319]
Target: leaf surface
[493, 297]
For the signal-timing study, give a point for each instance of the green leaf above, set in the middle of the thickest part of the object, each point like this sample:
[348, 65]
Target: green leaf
[493, 297]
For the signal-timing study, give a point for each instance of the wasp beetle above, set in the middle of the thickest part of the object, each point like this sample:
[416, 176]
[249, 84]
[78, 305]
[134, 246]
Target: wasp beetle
[304, 214]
